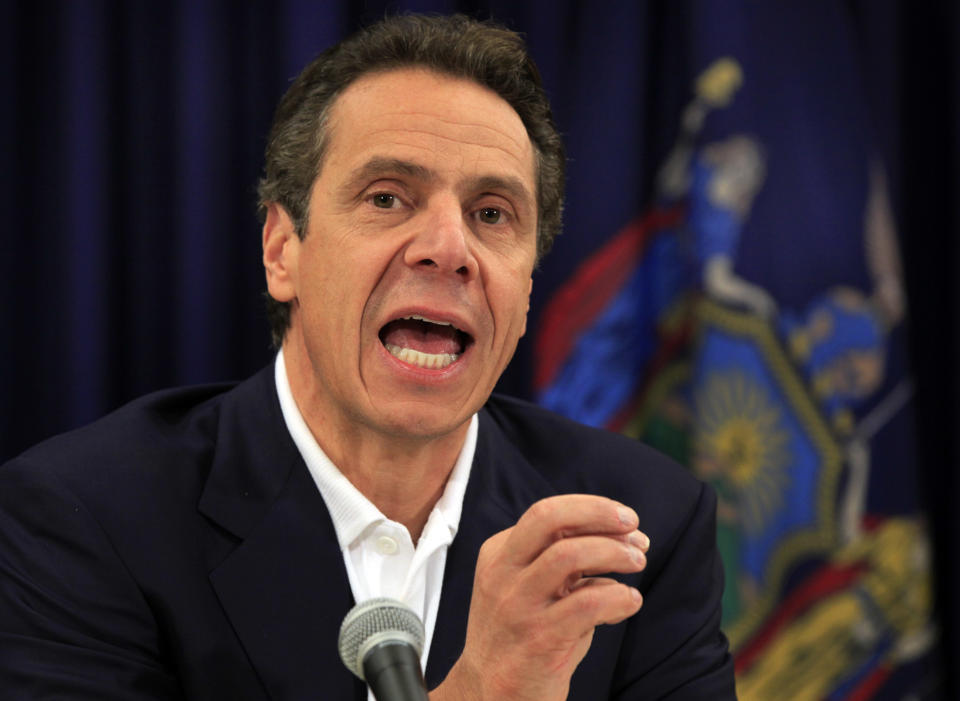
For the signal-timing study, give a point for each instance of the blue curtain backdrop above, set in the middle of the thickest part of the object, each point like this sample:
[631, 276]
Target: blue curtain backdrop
[131, 138]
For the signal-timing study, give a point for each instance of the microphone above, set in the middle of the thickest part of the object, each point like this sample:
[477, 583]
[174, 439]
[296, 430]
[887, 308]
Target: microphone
[381, 641]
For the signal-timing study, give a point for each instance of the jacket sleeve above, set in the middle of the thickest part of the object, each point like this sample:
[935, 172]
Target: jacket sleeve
[674, 649]
[73, 622]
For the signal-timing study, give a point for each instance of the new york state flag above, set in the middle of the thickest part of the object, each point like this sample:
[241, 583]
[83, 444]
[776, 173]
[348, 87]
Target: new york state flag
[750, 323]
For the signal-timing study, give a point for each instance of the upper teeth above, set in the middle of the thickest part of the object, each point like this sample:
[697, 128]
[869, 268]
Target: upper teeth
[417, 317]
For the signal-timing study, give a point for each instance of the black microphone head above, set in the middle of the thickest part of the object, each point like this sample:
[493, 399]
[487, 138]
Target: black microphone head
[376, 621]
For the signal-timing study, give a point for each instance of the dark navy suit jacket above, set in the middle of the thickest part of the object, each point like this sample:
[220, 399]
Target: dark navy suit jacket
[178, 548]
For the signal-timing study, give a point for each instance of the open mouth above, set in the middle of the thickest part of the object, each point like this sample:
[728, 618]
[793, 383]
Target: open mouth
[424, 343]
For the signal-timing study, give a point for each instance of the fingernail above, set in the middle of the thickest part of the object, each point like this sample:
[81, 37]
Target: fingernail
[639, 540]
[628, 517]
[637, 597]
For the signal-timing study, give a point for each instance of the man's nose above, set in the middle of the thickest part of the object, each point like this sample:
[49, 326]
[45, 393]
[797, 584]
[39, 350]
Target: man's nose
[443, 240]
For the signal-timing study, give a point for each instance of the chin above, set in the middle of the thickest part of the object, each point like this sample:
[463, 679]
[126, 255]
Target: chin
[424, 423]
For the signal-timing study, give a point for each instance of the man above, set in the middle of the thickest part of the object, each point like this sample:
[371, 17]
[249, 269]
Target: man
[205, 543]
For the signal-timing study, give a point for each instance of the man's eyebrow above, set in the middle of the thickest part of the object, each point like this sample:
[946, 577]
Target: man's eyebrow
[507, 184]
[379, 167]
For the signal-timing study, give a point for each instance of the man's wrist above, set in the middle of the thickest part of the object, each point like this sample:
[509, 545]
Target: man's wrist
[462, 683]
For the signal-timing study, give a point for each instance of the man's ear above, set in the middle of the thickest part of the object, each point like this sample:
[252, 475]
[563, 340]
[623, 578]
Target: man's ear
[529, 292]
[281, 248]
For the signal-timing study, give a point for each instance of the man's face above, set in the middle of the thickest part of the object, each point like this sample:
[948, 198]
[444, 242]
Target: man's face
[411, 286]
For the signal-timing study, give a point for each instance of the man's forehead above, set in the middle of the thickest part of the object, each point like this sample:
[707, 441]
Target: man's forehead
[408, 106]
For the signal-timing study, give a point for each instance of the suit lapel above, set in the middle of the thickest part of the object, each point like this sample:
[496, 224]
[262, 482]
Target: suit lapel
[502, 486]
[284, 588]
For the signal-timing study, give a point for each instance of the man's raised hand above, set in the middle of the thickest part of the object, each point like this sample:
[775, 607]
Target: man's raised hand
[538, 593]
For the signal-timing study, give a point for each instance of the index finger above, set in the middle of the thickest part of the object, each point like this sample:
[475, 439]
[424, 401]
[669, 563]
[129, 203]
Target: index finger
[565, 516]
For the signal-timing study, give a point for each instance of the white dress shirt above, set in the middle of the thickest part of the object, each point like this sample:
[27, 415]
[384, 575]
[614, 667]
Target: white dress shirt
[379, 554]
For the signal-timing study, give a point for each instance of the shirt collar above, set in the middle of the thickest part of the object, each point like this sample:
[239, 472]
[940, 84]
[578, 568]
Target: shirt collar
[351, 512]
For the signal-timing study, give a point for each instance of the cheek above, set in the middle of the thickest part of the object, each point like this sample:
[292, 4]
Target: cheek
[331, 311]
[511, 303]
[339, 278]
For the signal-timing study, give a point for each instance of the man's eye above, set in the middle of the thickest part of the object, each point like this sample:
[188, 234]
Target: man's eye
[383, 200]
[490, 215]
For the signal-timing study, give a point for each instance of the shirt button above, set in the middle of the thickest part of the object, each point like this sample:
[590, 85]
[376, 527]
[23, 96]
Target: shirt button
[386, 545]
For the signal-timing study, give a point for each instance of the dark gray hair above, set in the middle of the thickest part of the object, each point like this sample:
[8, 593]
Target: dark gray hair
[484, 52]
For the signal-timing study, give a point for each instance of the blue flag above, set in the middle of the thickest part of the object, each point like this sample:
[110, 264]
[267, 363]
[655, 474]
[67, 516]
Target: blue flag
[750, 323]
